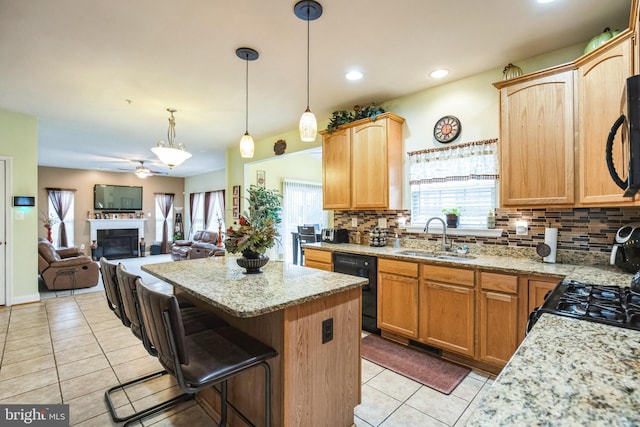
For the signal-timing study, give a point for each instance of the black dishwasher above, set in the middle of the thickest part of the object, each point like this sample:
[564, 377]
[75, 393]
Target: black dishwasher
[362, 266]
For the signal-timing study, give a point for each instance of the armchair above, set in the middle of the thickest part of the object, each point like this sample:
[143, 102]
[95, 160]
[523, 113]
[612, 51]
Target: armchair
[59, 268]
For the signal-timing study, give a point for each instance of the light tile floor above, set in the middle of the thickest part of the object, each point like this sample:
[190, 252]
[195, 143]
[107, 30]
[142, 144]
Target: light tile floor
[71, 348]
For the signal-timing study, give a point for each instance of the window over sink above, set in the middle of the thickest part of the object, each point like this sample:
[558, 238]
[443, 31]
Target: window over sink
[463, 176]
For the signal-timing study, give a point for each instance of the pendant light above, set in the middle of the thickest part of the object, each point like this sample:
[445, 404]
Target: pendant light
[168, 154]
[247, 146]
[308, 10]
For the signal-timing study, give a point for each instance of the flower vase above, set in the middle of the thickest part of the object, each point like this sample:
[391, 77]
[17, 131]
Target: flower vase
[219, 236]
[252, 262]
[49, 238]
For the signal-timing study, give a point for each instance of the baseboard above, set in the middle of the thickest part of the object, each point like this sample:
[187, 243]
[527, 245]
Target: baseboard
[25, 299]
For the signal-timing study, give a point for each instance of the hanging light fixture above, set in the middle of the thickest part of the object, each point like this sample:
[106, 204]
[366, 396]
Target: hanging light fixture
[308, 10]
[168, 154]
[246, 142]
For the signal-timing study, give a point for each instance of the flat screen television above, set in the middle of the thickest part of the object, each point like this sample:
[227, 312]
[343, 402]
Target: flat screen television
[117, 198]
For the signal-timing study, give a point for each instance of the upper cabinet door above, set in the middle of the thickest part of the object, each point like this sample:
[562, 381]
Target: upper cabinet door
[537, 141]
[369, 187]
[602, 99]
[336, 170]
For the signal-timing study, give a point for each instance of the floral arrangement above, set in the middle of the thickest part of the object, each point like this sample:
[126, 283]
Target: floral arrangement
[341, 117]
[48, 221]
[257, 227]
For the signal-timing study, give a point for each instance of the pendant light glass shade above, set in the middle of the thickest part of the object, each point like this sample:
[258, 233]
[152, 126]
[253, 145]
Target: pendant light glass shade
[308, 10]
[247, 147]
[308, 127]
[168, 154]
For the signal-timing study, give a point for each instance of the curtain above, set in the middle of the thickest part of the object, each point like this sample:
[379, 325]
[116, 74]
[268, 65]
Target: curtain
[462, 162]
[301, 204]
[194, 207]
[214, 206]
[165, 202]
[61, 200]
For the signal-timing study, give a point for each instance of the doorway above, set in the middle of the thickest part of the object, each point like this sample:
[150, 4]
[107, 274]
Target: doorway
[4, 202]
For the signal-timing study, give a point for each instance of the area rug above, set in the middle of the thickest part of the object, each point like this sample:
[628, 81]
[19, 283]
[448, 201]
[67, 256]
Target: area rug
[417, 365]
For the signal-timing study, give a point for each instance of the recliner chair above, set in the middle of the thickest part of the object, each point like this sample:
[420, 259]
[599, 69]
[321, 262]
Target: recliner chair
[60, 268]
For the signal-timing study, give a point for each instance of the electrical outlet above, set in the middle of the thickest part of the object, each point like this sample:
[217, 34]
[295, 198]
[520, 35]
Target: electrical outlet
[327, 330]
[354, 222]
[382, 222]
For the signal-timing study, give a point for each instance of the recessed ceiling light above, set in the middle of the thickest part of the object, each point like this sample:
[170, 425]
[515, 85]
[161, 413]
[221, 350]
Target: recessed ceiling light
[440, 73]
[353, 75]
[545, 1]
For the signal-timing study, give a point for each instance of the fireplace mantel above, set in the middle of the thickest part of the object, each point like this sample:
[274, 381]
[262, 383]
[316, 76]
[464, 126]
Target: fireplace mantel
[114, 224]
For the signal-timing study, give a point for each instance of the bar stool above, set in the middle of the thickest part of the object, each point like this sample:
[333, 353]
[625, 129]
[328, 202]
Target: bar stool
[121, 285]
[67, 272]
[201, 360]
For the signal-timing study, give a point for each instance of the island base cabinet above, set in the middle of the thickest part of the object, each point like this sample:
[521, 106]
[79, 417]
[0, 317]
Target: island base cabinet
[312, 384]
[498, 322]
[447, 317]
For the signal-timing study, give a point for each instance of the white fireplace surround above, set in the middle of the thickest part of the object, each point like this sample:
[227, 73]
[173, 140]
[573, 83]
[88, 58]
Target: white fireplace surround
[114, 224]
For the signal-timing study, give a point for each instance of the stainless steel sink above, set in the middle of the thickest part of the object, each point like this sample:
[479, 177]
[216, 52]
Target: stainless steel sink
[435, 255]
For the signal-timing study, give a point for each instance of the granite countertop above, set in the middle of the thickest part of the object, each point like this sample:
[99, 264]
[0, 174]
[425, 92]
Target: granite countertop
[567, 372]
[499, 263]
[220, 282]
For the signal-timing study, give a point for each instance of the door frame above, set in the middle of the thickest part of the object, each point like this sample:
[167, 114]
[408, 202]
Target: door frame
[8, 259]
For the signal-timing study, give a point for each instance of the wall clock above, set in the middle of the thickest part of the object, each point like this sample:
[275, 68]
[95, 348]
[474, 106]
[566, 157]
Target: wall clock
[447, 129]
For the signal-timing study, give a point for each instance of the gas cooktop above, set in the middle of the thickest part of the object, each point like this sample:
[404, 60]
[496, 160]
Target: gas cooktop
[611, 305]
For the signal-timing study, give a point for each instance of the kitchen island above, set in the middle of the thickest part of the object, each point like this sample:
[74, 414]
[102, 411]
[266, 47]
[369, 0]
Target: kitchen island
[313, 383]
[567, 372]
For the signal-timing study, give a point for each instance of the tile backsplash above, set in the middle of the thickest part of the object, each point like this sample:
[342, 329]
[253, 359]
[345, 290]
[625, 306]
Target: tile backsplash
[579, 229]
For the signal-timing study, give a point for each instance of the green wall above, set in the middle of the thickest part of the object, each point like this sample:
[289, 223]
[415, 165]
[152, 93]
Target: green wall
[19, 142]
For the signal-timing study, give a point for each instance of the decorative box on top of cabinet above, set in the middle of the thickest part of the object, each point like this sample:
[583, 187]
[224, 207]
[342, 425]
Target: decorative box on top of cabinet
[362, 164]
[537, 139]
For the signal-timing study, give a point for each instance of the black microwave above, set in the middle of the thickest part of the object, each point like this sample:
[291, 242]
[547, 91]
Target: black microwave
[632, 121]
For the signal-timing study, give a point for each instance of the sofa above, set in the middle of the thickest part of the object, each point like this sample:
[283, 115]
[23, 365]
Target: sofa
[58, 268]
[204, 244]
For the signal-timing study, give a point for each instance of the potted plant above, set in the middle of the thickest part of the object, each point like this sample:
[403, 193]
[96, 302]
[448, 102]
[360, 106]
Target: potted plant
[341, 117]
[453, 216]
[257, 229]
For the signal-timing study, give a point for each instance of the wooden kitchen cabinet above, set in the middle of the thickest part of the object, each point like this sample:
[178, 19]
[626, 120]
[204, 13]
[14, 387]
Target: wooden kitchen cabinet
[322, 260]
[362, 164]
[537, 140]
[398, 297]
[601, 77]
[538, 288]
[499, 313]
[447, 308]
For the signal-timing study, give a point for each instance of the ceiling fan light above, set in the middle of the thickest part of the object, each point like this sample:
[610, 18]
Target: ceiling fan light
[142, 173]
[247, 147]
[171, 156]
[308, 126]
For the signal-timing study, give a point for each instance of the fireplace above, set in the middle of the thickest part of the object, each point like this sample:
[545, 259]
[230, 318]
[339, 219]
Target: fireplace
[117, 238]
[118, 243]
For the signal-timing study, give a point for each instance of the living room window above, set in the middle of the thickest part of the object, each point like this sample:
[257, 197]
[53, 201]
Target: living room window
[463, 176]
[207, 211]
[61, 207]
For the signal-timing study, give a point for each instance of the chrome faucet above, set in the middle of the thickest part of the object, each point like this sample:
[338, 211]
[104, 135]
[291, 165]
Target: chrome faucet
[445, 246]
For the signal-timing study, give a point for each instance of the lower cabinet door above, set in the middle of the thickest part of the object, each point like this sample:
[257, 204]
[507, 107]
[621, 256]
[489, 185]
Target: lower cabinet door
[498, 323]
[398, 304]
[447, 317]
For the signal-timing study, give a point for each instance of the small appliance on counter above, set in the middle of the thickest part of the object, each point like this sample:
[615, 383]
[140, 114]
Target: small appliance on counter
[378, 237]
[335, 235]
[625, 252]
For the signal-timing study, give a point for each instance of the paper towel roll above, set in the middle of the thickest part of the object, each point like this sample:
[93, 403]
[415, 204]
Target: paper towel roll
[551, 239]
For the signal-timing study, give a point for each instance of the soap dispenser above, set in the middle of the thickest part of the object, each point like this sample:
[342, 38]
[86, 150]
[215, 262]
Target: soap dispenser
[491, 220]
[396, 241]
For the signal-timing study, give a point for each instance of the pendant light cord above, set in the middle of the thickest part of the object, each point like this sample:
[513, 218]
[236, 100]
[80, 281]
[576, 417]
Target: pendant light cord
[308, 47]
[246, 116]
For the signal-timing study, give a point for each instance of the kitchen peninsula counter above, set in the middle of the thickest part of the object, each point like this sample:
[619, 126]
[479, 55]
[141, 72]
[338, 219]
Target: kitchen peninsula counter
[567, 372]
[313, 383]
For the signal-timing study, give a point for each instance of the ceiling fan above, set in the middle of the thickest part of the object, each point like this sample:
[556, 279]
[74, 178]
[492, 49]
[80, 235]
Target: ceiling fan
[142, 171]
